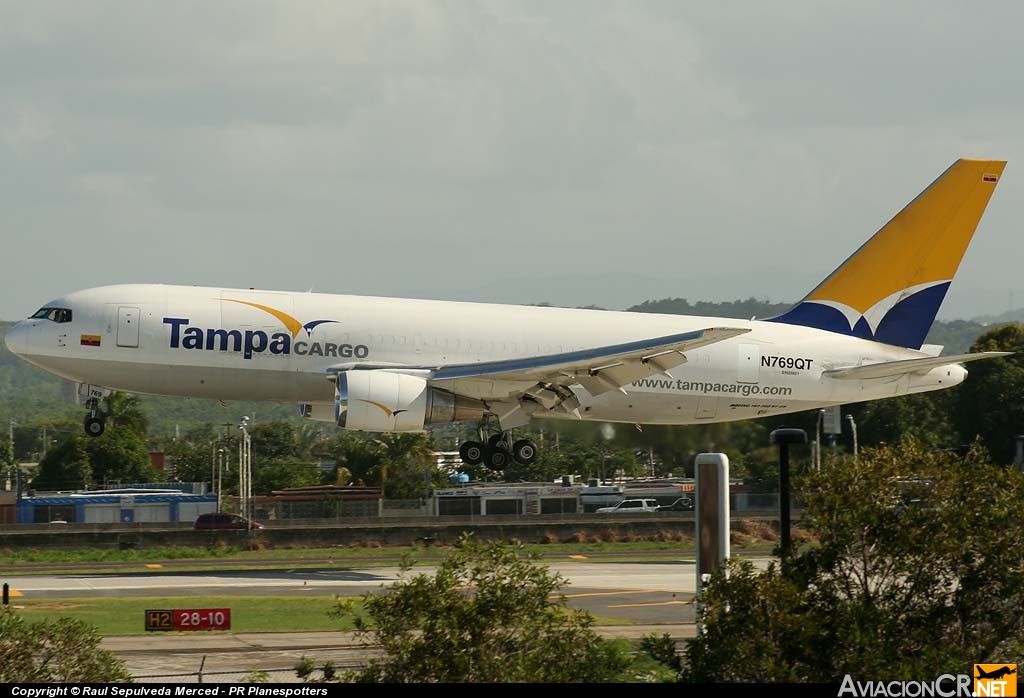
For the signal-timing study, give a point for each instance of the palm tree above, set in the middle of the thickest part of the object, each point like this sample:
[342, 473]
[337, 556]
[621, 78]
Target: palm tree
[400, 450]
[124, 409]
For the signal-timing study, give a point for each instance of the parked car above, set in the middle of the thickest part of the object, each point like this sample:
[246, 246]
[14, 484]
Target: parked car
[630, 506]
[681, 504]
[225, 522]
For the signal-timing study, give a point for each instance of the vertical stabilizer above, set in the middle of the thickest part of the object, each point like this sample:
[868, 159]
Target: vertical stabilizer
[891, 288]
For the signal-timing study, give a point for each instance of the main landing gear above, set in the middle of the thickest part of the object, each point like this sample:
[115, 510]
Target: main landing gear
[497, 451]
[94, 422]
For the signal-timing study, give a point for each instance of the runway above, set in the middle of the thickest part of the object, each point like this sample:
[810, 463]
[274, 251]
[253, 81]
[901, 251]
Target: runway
[647, 597]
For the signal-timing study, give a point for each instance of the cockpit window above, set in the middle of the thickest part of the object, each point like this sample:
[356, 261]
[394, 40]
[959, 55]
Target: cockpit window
[56, 314]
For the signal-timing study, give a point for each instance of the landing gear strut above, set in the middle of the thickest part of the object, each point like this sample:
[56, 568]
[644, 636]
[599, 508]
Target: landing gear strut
[498, 451]
[94, 422]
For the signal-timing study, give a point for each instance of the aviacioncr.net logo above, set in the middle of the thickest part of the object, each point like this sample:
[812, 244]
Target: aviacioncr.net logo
[995, 679]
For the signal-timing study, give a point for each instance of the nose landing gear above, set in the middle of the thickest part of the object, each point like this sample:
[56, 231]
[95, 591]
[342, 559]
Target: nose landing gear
[94, 423]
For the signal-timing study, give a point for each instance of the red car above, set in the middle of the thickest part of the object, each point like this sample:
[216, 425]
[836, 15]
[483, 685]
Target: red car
[225, 522]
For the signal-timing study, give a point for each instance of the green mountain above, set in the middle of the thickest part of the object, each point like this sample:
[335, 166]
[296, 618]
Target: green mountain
[955, 335]
[740, 309]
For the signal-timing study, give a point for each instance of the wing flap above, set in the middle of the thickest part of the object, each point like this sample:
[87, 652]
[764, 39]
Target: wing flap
[896, 368]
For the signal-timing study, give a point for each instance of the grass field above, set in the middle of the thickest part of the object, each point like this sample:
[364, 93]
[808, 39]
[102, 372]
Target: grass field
[126, 616]
[235, 558]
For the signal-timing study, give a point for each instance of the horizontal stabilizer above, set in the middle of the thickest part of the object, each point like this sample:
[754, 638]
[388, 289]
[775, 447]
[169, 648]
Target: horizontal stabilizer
[896, 368]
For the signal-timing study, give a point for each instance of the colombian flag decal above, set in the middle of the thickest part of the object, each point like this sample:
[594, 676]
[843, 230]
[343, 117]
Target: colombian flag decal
[90, 340]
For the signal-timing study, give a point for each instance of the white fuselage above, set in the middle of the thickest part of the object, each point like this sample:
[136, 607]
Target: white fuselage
[226, 344]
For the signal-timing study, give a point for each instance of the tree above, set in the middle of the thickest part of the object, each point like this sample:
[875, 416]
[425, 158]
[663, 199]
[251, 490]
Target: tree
[402, 460]
[989, 403]
[352, 452]
[273, 440]
[125, 410]
[925, 417]
[54, 651]
[7, 462]
[120, 455]
[505, 630]
[66, 467]
[284, 473]
[191, 461]
[919, 567]
[80, 462]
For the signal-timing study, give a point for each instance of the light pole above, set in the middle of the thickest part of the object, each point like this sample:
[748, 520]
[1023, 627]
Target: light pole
[10, 435]
[817, 439]
[244, 469]
[221, 453]
[853, 430]
[783, 438]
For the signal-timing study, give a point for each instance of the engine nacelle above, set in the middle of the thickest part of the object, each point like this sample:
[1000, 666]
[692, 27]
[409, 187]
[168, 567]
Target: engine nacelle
[379, 400]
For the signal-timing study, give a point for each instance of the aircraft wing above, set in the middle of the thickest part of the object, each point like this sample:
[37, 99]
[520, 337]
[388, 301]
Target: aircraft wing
[896, 368]
[513, 387]
[599, 369]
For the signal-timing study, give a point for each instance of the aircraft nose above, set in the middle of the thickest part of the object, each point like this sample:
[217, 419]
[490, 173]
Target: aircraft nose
[16, 339]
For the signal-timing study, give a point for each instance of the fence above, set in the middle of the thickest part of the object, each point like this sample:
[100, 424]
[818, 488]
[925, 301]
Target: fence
[252, 675]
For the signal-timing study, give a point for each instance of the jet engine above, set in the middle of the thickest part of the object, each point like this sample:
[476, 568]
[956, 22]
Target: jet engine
[378, 400]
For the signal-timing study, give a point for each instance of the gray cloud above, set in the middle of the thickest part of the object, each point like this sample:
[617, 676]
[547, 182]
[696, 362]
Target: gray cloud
[571, 152]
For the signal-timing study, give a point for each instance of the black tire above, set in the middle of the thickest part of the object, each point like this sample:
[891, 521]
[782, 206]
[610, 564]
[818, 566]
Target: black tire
[497, 442]
[94, 426]
[471, 452]
[497, 459]
[525, 452]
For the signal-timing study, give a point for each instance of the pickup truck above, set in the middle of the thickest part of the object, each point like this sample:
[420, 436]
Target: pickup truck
[630, 506]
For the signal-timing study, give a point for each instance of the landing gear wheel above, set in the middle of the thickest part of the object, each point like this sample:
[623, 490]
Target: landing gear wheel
[498, 442]
[524, 451]
[471, 452]
[497, 459]
[94, 426]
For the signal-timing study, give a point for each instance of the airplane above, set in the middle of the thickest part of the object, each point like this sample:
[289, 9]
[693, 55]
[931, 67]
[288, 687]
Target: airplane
[396, 364]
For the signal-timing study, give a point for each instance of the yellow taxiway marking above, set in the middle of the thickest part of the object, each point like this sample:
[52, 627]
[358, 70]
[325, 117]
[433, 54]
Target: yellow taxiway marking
[656, 603]
[577, 557]
[14, 592]
[154, 566]
[603, 593]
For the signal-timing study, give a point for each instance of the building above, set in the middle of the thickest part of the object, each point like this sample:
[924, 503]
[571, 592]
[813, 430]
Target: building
[483, 499]
[116, 506]
[319, 502]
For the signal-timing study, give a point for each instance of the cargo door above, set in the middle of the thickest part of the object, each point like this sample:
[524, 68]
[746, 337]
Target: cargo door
[707, 407]
[128, 320]
[749, 363]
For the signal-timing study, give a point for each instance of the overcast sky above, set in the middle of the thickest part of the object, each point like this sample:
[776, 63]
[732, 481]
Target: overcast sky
[565, 151]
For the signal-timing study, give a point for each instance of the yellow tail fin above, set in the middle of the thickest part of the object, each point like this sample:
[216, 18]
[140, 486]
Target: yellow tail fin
[891, 288]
